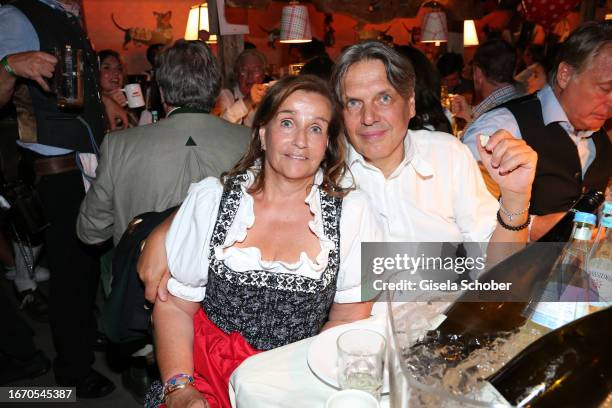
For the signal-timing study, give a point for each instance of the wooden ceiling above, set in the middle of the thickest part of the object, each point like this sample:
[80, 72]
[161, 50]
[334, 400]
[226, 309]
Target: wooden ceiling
[378, 11]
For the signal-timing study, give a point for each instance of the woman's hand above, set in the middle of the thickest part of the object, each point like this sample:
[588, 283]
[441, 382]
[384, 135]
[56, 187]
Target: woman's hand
[115, 113]
[187, 397]
[118, 96]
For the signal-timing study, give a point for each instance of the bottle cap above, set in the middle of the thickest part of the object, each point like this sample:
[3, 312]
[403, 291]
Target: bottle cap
[606, 222]
[585, 217]
[607, 208]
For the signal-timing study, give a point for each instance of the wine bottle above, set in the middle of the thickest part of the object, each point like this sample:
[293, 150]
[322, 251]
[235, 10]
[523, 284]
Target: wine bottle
[568, 367]
[588, 202]
[528, 269]
[600, 260]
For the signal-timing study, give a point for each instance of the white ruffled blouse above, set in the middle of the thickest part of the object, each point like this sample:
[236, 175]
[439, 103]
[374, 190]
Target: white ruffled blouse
[188, 241]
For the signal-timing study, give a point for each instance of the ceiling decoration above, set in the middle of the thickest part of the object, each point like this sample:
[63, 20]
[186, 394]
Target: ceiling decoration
[379, 11]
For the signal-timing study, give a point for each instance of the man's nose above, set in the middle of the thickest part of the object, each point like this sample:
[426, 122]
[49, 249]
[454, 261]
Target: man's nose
[369, 114]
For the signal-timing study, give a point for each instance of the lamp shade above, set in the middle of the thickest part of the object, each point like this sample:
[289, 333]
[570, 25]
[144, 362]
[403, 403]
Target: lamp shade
[198, 21]
[470, 37]
[434, 27]
[295, 24]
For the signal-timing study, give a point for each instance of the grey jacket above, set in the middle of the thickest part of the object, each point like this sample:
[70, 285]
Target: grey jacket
[150, 168]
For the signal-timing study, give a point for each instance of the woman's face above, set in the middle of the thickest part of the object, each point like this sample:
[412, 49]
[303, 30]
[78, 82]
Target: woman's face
[296, 138]
[537, 79]
[111, 74]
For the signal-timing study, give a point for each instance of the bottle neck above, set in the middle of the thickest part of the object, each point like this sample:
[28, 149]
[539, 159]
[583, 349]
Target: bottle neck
[582, 231]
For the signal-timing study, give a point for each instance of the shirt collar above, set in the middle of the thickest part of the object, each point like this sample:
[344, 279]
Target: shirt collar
[551, 108]
[237, 93]
[412, 157]
[552, 111]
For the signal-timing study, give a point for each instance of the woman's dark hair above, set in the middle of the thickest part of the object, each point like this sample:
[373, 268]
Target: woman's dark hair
[429, 110]
[333, 164]
[188, 75]
[104, 54]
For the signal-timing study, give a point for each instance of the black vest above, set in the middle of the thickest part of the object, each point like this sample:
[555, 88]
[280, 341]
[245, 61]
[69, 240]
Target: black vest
[56, 127]
[558, 182]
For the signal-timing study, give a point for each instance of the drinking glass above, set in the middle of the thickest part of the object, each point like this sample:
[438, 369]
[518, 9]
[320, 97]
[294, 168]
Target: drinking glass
[68, 78]
[360, 361]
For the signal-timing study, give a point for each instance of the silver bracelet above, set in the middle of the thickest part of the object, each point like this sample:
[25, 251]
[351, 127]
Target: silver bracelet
[509, 214]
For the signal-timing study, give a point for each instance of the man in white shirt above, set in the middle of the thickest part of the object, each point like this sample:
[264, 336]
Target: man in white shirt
[238, 105]
[424, 184]
[563, 125]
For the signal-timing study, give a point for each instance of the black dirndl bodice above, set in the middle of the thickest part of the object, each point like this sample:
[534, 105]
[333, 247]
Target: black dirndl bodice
[270, 309]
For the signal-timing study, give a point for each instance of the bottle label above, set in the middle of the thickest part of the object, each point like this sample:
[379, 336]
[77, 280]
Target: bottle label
[583, 234]
[556, 314]
[600, 272]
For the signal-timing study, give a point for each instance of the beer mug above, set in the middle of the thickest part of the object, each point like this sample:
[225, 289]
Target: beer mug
[68, 77]
[133, 94]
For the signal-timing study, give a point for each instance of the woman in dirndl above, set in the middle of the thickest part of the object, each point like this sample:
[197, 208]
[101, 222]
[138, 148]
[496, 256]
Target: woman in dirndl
[265, 256]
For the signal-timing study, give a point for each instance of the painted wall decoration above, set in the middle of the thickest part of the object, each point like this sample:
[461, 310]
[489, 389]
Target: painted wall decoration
[162, 34]
[146, 21]
[137, 23]
[139, 18]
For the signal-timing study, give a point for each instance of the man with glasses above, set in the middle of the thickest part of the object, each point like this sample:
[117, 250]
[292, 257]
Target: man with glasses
[238, 104]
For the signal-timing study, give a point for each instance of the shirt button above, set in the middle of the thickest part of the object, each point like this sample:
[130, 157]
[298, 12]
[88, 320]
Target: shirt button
[577, 175]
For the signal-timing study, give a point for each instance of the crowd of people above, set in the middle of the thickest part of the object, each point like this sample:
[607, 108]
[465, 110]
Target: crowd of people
[269, 186]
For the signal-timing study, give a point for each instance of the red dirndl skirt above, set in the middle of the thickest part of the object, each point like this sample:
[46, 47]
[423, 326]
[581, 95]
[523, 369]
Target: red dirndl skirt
[216, 355]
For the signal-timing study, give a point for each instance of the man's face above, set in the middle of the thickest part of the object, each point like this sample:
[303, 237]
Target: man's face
[250, 72]
[586, 97]
[376, 116]
[451, 80]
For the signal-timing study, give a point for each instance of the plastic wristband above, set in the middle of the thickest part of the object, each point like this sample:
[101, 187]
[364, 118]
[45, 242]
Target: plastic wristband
[7, 67]
[176, 382]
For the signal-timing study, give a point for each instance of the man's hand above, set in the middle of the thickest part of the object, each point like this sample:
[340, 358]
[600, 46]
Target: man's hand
[34, 65]
[187, 397]
[115, 113]
[257, 93]
[153, 265]
[510, 162]
[461, 108]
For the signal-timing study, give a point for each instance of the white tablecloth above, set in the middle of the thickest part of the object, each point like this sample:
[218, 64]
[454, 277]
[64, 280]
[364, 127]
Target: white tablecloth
[281, 378]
